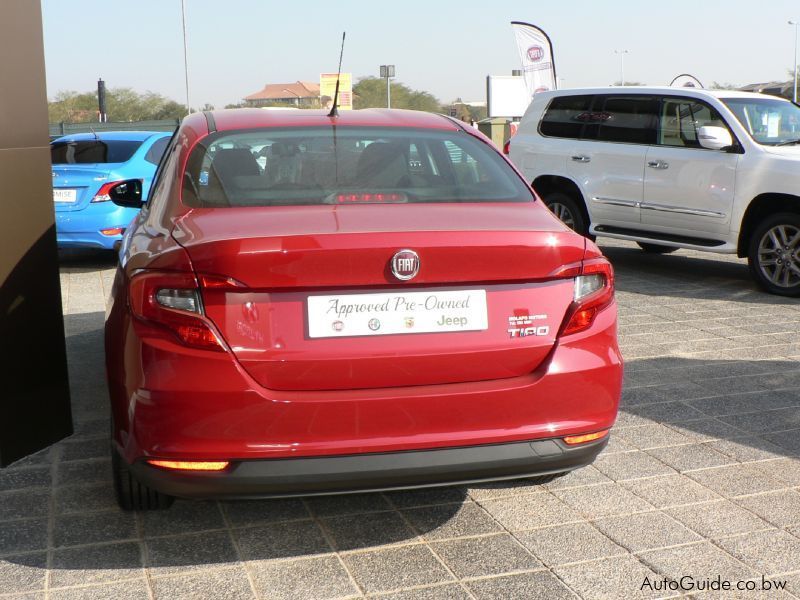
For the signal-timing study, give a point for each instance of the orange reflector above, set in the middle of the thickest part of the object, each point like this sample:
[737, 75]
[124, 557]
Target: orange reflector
[193, 465]
[586, 437]
[113, 231]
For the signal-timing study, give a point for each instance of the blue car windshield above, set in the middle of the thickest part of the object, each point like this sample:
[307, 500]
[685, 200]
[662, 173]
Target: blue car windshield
[92, 151]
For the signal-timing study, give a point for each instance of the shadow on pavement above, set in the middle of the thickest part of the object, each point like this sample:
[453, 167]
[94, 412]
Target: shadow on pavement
[86, 258]
[699, 277]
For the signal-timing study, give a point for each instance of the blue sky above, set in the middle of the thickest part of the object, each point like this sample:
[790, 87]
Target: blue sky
[447, 48]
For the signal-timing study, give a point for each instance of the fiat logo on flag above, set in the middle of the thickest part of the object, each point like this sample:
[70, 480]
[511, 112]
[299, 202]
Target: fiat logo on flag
[405, 265]
[535, 53]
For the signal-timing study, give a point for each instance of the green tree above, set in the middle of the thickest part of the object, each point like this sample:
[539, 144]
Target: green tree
[716, 85]
[370, 92]
[122, 104]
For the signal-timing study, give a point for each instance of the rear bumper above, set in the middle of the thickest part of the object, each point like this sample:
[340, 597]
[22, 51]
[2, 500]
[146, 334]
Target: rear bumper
[81, 228]
[174, 403]
[373, 472]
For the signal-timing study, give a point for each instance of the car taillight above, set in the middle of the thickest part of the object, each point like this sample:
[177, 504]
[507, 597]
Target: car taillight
[594, 290]
[172, 301]
[507, 147]
[102, 193]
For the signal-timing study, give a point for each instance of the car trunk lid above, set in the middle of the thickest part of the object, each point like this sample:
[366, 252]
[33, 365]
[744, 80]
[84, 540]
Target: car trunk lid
[75, 186]
[486, 300]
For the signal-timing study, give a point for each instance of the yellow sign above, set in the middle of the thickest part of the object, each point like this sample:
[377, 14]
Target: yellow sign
[327, 88]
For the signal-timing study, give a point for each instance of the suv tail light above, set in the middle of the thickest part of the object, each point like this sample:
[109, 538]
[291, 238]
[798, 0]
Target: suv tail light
[594, 290]
[507, 148]
[172, 301]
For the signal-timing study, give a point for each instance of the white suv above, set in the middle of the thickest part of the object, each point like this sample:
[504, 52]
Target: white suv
[672, 168]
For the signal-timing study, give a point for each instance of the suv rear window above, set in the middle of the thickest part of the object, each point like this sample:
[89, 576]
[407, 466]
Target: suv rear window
[92, 151]
[325, 165]
[566, 116]
[629, 120]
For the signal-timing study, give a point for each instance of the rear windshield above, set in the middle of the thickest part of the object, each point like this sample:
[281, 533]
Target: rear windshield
[346, 165]
[92, 151]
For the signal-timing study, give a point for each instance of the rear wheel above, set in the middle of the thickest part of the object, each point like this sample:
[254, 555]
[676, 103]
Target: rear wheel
[566, 208]
[774, 254]
[656, 248]
[132, 495]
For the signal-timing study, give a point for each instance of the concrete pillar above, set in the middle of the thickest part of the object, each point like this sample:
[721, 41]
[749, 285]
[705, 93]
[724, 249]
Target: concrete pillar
[34, 392]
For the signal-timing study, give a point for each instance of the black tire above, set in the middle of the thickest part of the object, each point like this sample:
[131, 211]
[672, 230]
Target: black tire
[773, 254]
[656, 248]
[567, 209]
[132, 495]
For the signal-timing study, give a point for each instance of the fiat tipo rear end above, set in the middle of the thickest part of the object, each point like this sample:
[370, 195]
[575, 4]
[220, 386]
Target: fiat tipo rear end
[312, 304]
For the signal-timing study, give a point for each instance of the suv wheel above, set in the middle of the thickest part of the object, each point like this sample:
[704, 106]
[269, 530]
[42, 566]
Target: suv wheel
[132, 495]
[656, 248]
[774, 254]
[567, 210]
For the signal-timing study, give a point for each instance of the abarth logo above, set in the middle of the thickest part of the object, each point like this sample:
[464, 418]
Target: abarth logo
[405, 265]
[409, 322]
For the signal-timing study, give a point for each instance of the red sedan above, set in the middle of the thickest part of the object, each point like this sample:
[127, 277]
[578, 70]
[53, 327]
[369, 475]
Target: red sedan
[314, 304]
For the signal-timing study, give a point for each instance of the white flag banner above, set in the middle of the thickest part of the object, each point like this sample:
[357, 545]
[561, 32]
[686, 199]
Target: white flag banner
[536, 55]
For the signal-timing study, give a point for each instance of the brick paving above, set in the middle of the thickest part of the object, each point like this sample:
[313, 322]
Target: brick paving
[701, 479]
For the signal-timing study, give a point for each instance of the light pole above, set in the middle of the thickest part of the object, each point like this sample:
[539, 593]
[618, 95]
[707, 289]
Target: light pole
[622, 54]
[387, 71]
[185, 55]
[795, 23]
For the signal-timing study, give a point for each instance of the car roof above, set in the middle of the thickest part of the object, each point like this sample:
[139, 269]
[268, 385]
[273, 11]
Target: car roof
[684, 91]
[255, 118]
[129, 136]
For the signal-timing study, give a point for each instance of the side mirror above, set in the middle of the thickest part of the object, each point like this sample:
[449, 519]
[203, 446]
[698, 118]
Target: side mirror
[714, 138]
[127, 193]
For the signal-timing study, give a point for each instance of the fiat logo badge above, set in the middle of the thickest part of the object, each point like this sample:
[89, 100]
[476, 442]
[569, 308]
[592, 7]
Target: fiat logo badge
[405, 265]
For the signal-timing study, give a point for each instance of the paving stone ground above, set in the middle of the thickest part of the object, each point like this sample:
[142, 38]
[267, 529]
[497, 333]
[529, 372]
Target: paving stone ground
[701, 479]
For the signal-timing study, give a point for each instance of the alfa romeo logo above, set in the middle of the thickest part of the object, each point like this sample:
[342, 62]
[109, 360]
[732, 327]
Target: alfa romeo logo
[405, 265]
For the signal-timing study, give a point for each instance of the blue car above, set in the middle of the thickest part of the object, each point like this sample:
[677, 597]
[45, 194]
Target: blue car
[85, 166]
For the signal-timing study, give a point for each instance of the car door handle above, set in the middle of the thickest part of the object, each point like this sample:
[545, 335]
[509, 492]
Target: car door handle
[658, 164]
[581, 158]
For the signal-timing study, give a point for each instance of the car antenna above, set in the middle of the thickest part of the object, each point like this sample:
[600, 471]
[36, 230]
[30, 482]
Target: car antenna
[96, 137]
[334, 110]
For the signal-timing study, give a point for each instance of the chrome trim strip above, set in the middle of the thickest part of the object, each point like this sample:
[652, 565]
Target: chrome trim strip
[683, 211]
[615, 201]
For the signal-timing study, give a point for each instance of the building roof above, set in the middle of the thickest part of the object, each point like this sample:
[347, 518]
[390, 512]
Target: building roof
[280, 91]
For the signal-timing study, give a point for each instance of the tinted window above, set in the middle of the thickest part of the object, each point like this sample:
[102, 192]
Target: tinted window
[349, 165]
[629, 119]
[157, 150]
[680, 120]
[92, 151]
[566, 116]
